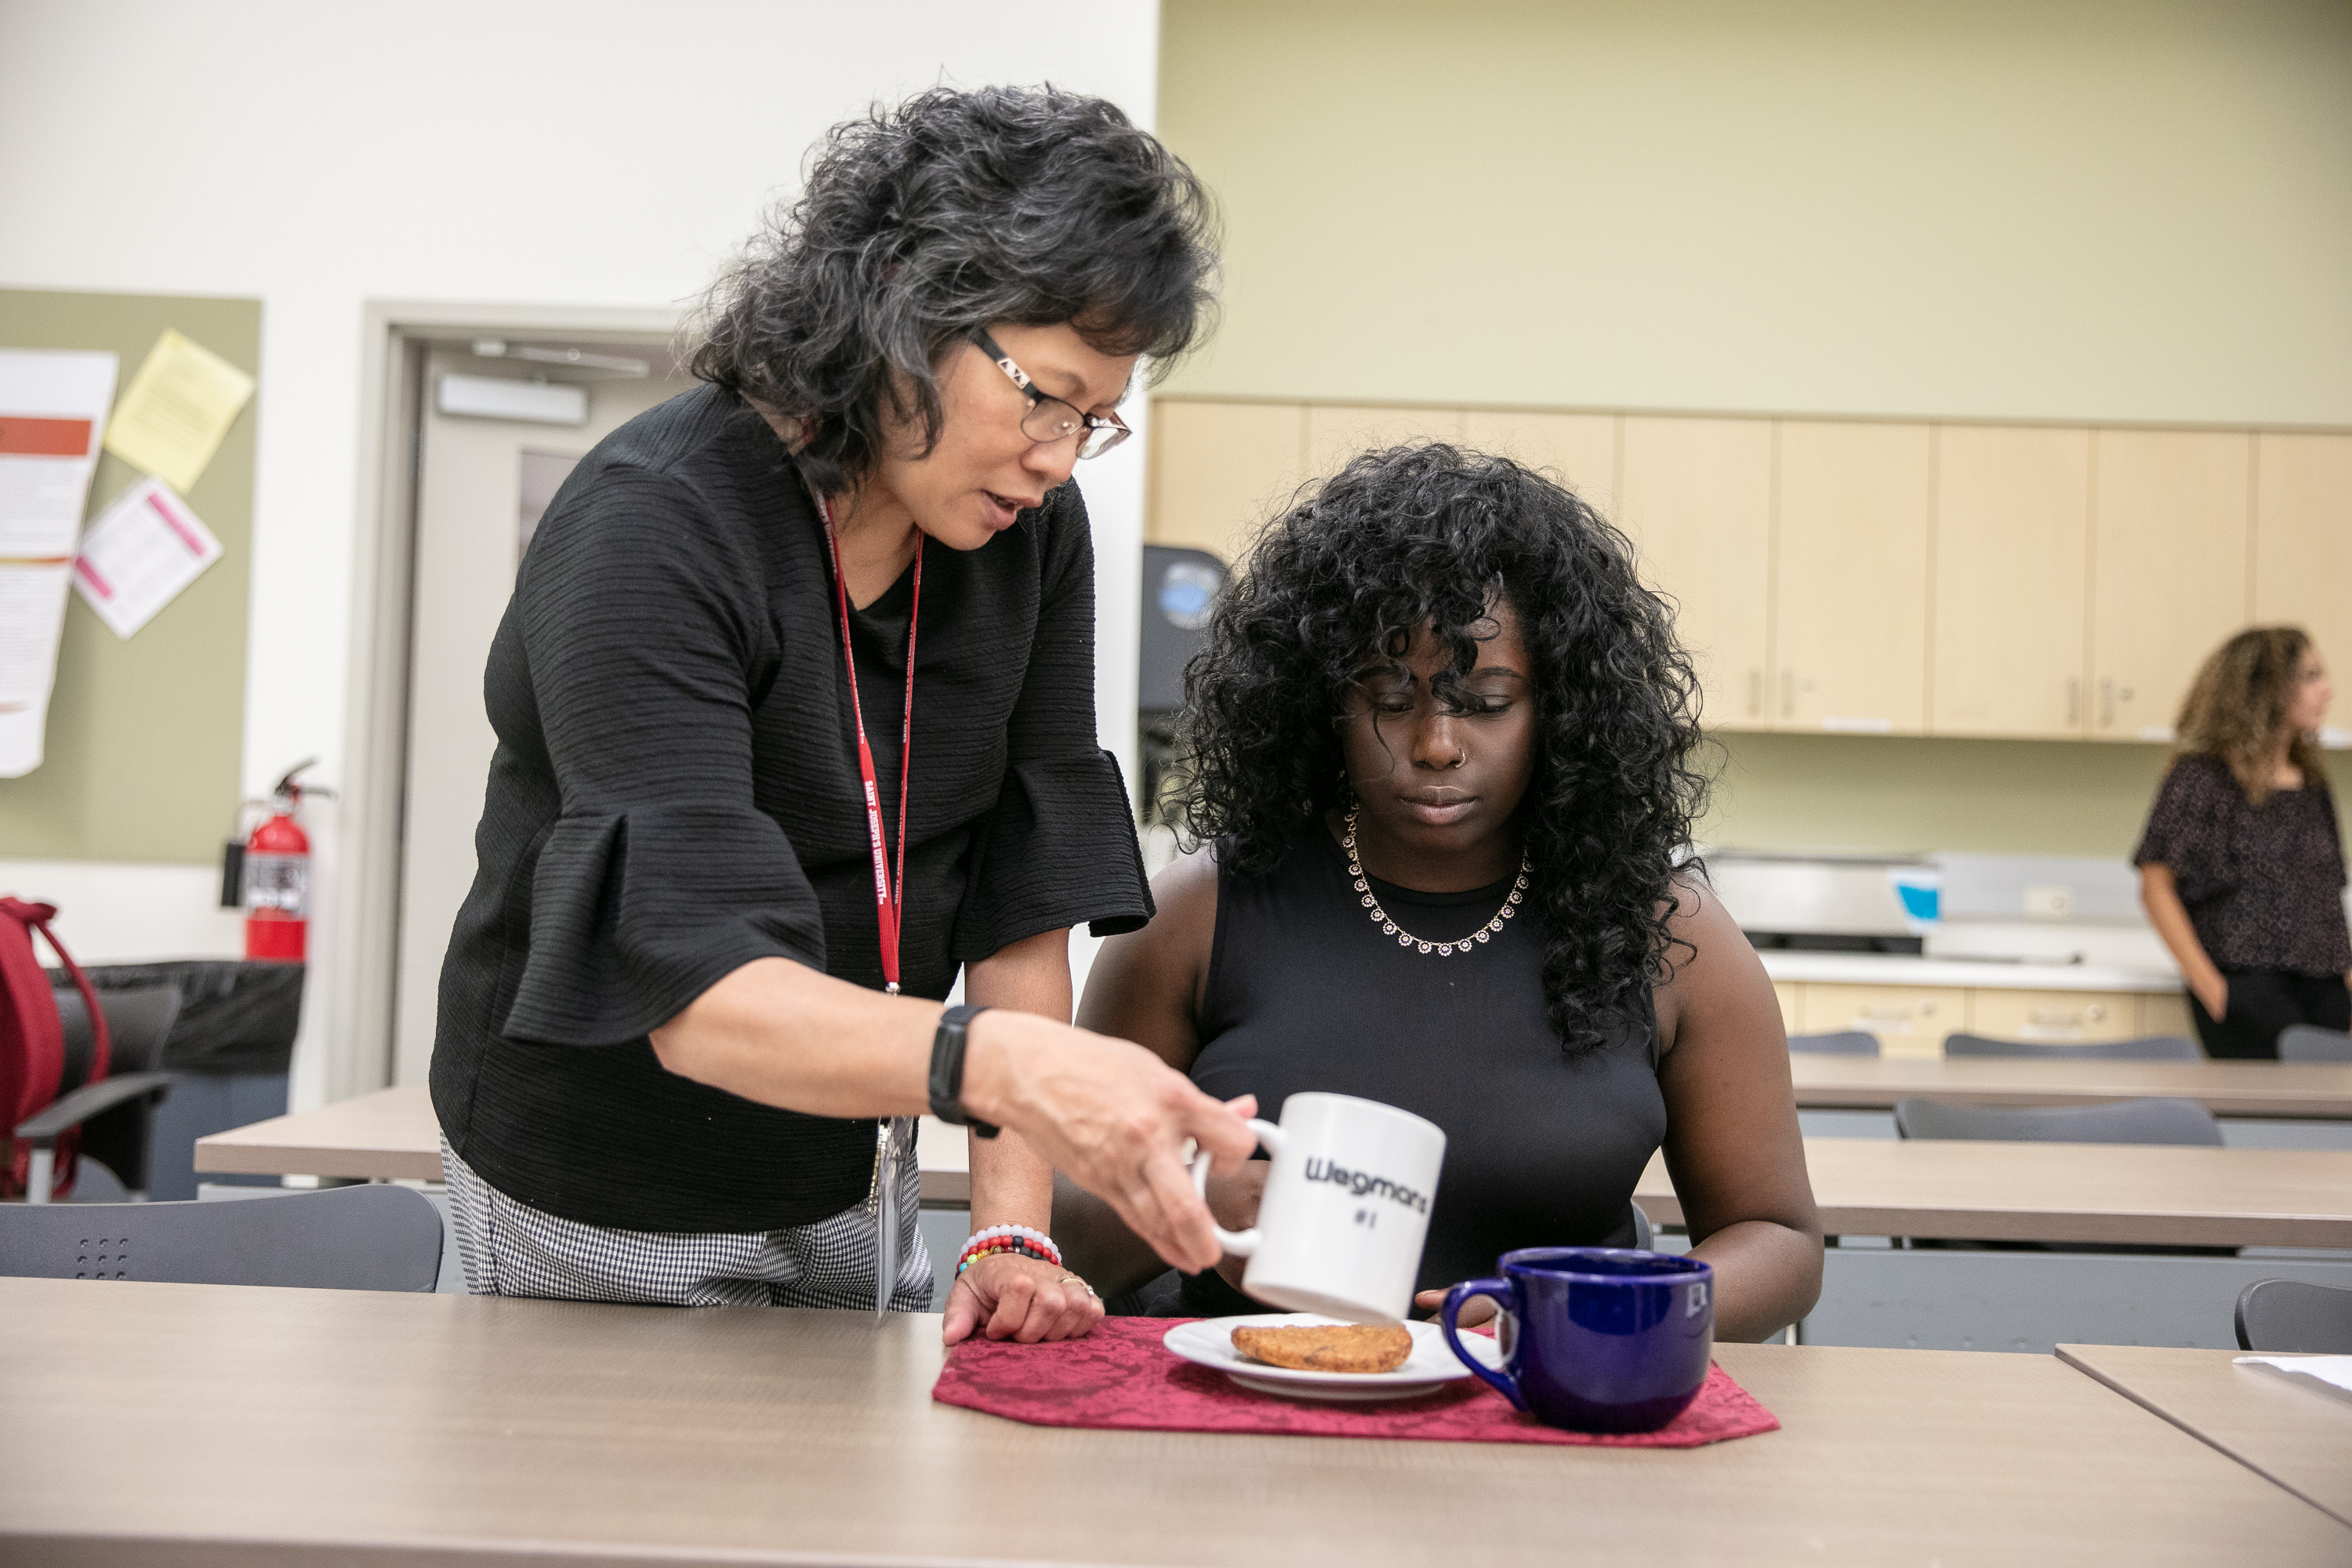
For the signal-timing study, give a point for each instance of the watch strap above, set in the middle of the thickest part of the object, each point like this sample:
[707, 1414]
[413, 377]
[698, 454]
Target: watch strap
[947, 1045]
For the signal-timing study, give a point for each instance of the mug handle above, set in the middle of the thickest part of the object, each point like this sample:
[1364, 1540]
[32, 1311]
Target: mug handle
[1455, 1300]
[1240, 1243]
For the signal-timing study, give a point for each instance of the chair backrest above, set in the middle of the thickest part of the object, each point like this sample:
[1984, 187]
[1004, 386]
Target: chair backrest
[2123, 1122]
[2150, 1049]
[1844, 1043]
[2310, 1043]
[2289, 1317]
[1644, 1235]
[344, 1239]
[137, 1021]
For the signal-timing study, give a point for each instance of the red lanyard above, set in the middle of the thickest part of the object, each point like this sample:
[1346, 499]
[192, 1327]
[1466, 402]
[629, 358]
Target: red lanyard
[889, 899]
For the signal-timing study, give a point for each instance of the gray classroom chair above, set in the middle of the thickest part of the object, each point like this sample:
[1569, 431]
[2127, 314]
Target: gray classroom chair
[2310, 1043]
[2151, 1048]
[2287, 1317]
[2123, 1122]
[344, 1239]
[113, 1114]
[1844, 1043]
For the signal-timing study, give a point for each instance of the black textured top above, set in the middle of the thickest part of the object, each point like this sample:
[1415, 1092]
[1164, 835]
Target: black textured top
[2264, 885]
[1304, 993]
[675, 793]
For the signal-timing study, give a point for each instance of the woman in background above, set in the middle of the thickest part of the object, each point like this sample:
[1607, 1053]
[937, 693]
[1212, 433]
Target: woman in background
[2242, 867]
[1441, 740]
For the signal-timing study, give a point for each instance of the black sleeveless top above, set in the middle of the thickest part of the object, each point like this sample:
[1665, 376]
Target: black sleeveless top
[1304, 993]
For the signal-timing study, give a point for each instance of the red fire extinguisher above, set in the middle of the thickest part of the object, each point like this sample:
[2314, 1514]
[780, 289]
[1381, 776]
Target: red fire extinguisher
[272, 873]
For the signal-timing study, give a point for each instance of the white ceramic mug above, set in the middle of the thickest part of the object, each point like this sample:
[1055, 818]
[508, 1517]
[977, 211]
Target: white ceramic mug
[1346, 1208]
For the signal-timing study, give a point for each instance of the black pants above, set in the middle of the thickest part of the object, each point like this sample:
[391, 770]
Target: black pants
[2261, 1003]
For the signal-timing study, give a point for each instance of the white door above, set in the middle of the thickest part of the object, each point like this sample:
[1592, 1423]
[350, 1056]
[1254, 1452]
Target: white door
[482, 481]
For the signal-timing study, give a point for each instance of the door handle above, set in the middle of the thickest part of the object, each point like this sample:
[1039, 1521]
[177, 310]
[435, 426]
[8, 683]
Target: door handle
[1788, 692]
[2074, 700]
[2107, 702]
[1756, 693]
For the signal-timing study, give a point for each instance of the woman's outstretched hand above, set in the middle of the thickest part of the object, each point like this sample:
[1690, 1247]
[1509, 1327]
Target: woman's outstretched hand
[1005, 1296]
[1476, 1311]
[1114, 1118]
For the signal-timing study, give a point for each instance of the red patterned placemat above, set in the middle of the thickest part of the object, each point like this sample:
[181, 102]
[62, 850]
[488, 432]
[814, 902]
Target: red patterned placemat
[1121, 1377]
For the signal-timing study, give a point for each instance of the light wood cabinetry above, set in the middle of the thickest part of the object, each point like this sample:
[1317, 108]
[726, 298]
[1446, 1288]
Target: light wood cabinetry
[1220, 470]
[1852, 580]
[2302, 542]
[1910, 1020]
[1577, 449]
[1696, 496]
[2052, 1018]
[2011, 564]
[2169, 531]
[2030, 582]
[1335, 433]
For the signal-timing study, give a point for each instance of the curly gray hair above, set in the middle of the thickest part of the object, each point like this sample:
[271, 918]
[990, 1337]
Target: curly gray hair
[922, 224]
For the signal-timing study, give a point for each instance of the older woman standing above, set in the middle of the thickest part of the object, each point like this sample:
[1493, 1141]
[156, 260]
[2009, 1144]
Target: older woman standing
[795, 704]
[2241, 866]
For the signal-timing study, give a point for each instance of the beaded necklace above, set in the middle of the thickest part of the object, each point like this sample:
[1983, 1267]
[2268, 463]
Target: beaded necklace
[1379, 917]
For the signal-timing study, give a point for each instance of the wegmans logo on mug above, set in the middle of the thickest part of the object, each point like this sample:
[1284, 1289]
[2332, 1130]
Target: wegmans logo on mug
[1345, 1210]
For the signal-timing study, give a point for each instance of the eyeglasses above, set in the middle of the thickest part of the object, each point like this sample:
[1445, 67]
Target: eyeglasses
[1050, 419]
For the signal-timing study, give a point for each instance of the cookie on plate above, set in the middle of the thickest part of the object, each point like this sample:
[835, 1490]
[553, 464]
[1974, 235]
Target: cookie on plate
[1339, 1347]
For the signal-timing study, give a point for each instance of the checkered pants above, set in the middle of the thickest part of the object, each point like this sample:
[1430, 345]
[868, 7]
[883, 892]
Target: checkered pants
[509, 1248]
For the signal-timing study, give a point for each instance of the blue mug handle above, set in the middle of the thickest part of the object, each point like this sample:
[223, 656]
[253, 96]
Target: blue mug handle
[1455, 1300]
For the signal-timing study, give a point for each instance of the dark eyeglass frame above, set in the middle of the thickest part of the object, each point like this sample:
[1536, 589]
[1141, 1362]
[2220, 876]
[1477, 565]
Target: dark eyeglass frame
[1049, 419]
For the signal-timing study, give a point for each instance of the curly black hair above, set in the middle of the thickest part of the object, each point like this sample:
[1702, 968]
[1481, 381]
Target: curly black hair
[1429, 534]
[954, 210]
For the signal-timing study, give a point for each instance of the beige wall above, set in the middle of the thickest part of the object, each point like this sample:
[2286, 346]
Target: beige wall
[2079, 210]
[2071, 209]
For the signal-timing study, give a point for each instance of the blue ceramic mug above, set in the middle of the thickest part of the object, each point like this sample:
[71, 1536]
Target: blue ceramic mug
[1595, 1339]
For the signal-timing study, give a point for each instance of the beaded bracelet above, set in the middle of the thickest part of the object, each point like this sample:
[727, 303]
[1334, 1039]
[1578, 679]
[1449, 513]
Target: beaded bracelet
[1015, 1238]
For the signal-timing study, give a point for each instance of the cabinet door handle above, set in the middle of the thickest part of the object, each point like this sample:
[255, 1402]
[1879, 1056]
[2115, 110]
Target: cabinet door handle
[2073, 700]
[1756, 693]
[2106, 703]
[1788, 692]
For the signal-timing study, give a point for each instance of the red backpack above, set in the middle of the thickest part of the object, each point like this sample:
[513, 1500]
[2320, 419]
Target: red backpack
[33, 1040]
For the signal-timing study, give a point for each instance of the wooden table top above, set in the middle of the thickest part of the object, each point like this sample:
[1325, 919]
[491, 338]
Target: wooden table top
[393, 1135]
[2319, 1091]
[2299, 1437]
[2131, 1195]
[142, 1417]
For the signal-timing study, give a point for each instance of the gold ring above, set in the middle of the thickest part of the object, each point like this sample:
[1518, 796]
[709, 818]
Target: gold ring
[1074, 1279]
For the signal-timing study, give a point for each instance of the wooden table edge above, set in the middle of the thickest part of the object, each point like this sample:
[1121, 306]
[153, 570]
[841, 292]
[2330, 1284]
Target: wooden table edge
[2133, 1229]
[2265, 1107]
[97, 1548]
[2152, 1407]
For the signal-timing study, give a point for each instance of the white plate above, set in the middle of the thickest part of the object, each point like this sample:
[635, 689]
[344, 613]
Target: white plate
[1432, 1365]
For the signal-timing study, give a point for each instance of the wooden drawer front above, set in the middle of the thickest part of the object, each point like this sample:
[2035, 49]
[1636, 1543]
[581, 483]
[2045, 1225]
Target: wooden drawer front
[2053, 1018]
[1790, 995]
[2165, 1013]
[1910, 1020]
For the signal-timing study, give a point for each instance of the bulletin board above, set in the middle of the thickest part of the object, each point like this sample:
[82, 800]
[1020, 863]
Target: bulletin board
[145, 737]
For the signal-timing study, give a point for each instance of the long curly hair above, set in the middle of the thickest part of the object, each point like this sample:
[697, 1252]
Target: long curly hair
[1429, 534]
[919, 223]
[2237, 707]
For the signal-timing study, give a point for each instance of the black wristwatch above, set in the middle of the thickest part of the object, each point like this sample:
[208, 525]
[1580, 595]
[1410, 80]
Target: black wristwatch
[947, 1071]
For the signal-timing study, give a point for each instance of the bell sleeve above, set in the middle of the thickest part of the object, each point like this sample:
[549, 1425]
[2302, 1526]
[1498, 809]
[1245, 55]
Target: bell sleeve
[644, 628]
[1059, 847]
[2188, 829]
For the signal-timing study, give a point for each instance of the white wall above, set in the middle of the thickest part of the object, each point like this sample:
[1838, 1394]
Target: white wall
[589, 154]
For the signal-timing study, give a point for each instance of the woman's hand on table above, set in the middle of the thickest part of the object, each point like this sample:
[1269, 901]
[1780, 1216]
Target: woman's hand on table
[1005, 1296]
[1114, 1118]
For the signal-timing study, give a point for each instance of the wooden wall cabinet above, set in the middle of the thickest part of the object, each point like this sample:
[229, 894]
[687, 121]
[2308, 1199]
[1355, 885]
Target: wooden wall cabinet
[1697, 497]
[1911, 1020]
[1577, 449]
[1220, 470]
[1335, 433]
[2168, 548]
[2303, 543]
[1850, 616]
[2012, 565]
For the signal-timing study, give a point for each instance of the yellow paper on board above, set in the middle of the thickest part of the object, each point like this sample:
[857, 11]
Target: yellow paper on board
[176, 409]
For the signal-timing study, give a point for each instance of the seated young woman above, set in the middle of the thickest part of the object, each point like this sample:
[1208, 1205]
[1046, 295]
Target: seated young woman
[1441, 745]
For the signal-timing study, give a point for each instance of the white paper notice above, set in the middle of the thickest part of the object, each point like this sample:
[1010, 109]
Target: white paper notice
[140, 554]
[52, 418]
[2332, 1373]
